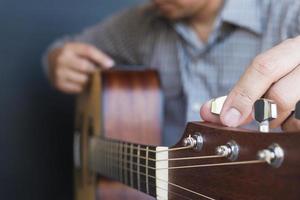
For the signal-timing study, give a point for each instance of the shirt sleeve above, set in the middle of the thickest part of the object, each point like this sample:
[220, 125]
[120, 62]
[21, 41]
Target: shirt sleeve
[119, 36]
[293, 18]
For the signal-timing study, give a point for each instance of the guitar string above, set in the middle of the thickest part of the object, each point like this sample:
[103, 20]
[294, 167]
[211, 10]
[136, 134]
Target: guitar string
[133, 171]
[170, 159]
[173, 184]
[217, 164]
[196, 166]
[175, 193]
[170, 183]
[126, 161]
[192, 166]
[180, 195]
[190, 158]
[145, 149]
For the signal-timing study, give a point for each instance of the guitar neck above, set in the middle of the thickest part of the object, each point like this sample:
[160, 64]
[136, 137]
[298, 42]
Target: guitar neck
[132, 164]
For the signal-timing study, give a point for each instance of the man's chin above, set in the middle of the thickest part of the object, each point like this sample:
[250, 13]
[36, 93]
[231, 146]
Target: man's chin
[167, 11]
[171, 15]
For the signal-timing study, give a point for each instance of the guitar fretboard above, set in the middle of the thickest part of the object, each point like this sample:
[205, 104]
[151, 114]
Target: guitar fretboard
[132, 164]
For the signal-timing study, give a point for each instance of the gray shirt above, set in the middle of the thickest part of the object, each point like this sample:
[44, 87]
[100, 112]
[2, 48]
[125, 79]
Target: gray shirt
[192, 71]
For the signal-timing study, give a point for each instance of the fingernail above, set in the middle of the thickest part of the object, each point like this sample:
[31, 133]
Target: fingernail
[232, 117]
[109, 63]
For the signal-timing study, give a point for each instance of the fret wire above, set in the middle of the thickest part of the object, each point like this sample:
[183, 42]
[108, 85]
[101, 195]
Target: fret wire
[147, 180]
[109, 160]
[115, 153]
[138, 167]
[125, 163]
[120, 162]
[105, 161]
[104, 157]
[128, 164]
[131, 175]
[113, 161]
[96, 161]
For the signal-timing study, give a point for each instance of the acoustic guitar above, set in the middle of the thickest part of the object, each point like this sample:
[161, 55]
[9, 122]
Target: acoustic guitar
[117, 151]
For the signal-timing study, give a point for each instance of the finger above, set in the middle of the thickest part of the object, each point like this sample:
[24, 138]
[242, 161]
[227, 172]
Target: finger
[266, 69]
[81, 65]
[92, 53]
[75, 77]
[208, 116]
[291, 124]
[70, 88]
[285, 94]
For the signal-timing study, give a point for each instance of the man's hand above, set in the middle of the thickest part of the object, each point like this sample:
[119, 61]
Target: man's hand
[70, 66]
[275, 75]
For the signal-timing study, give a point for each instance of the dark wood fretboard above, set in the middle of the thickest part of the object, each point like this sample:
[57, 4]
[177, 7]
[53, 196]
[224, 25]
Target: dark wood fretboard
[132, 164]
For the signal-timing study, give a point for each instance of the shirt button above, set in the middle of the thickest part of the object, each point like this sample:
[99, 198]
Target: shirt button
[196, 107]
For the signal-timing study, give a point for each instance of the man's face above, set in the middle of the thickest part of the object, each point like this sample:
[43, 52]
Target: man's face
[179, 9]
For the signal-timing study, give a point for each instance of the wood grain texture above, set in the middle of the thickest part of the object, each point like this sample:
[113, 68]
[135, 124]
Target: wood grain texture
[132, 106]
[247, 182]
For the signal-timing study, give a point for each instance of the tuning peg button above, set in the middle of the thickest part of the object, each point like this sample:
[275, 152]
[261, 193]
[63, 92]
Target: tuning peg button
[264, 111]
[297, 110]
[217, 105]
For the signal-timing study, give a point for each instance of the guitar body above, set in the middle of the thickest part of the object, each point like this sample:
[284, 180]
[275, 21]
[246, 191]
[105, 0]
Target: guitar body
[121, 105]
[118, 127]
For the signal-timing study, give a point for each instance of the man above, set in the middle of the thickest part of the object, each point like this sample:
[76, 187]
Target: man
[202, 49]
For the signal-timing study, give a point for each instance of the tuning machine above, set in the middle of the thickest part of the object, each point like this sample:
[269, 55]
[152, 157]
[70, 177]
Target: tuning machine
[229, 150]
[273, 155]
[217, 105]
[265, 110]
[196, 141]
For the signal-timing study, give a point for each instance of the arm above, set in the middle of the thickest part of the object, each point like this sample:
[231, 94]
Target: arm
[69, 61]
[274, 74]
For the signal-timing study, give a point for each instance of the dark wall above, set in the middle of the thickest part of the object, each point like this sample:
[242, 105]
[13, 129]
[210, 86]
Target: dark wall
[36, 121]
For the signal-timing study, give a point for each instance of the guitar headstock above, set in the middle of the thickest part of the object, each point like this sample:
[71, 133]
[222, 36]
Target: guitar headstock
[234, 163]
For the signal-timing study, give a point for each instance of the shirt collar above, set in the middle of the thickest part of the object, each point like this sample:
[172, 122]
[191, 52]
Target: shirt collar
[240, 13]
[243, 13]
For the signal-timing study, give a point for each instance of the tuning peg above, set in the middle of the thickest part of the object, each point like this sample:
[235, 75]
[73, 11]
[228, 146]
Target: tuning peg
[264, 111]
[297, 110]
[217, 105]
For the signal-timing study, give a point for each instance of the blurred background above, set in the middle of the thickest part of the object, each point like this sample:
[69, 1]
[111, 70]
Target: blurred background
[36, 122]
